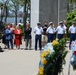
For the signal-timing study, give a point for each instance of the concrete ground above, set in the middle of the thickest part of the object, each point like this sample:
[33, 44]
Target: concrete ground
[67, 68]
[19, 62]
[25, 62]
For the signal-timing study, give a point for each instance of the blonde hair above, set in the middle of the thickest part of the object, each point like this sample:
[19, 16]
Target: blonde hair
[17, 27]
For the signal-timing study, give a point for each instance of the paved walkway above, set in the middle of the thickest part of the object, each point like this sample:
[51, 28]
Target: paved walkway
[25, 62]
[19, 62]
[68, 70]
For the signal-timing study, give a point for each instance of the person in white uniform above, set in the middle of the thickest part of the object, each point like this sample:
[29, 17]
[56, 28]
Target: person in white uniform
[72, 31]
[60, 30]
[38, 35]
[50, 31]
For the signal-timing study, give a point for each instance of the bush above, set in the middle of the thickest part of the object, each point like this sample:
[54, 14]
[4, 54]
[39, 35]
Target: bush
[70, 18]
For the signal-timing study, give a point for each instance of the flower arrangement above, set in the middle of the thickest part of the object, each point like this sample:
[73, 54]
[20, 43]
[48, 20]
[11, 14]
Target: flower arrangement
[52, 58]
[73, 57]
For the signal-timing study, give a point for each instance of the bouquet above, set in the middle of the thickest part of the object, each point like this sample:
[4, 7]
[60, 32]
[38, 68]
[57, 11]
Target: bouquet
[73, 57]
[52, 58]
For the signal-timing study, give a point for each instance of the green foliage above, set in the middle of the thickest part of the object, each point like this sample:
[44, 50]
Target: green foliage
[67, 39]
[71, 17]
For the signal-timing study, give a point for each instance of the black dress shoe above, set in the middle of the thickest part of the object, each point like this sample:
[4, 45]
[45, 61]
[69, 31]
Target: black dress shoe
[26, 48]
[1, 49]
[66, 46]
[30, 49]
[5, 48]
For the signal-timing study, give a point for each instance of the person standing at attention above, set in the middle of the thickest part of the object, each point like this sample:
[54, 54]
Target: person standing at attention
[38, 35]
[72, 31]
[50, 31]
[28, 36]
[60, 30]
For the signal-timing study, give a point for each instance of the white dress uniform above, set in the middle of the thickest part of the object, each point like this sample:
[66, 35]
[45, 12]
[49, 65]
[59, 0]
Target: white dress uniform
[38, 31]
[72, 31]
[51, 31]
[60, 31]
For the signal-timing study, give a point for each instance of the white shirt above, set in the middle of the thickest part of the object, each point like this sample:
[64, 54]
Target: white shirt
[38, 31]
[50, 30]
[72, 29]
[11, 29]
[60, 30]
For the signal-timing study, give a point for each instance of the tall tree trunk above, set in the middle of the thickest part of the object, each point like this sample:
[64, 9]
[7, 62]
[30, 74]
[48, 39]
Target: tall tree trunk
[6, 14]
[6, 10]
[16, 17]
[2, 14]
[24, 18]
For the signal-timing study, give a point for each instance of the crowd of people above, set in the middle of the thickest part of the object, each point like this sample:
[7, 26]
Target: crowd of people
[12, 36]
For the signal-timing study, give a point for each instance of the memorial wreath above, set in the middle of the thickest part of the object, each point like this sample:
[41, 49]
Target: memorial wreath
[52, 58]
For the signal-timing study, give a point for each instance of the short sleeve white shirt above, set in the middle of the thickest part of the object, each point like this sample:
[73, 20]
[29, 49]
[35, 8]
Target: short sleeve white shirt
[72, 29]
[60, 29]
[38, 31]
[50, 30]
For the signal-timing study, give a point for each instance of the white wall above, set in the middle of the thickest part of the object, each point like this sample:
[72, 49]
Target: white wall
[34, 17]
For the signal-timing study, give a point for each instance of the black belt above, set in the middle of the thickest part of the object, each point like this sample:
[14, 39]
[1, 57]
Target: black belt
[51, 33]
[60, 34]
[73, 33]
[38, 34]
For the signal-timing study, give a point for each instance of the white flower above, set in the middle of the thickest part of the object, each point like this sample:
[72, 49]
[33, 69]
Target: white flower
[72, 59]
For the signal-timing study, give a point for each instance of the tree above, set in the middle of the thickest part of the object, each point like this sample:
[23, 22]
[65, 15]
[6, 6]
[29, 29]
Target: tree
[24, 19]
[1, 6]
[26, 4]
[71, 17]
[70, 4]
[14, 6]
[4, 9]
